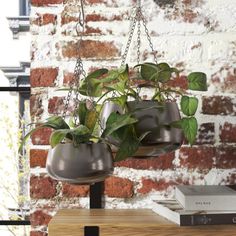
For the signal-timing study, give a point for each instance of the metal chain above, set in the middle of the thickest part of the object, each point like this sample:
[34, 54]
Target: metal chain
[131, 33]
[138, 17]
[79, 70]
[148, 37]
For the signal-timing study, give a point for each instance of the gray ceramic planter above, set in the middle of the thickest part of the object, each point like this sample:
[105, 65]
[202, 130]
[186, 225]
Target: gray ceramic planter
[85, 164]
[156, 119]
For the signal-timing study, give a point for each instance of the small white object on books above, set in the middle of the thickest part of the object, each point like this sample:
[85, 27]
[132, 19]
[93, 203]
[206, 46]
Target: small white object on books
[173, 211]
[206, 197]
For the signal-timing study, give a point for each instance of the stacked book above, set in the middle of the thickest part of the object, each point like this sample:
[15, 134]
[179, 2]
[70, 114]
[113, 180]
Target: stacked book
[199, 205]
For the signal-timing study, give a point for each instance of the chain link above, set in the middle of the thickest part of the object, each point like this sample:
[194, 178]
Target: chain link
[131, 33]
[138, 16]
[79, 70]
[149, 37]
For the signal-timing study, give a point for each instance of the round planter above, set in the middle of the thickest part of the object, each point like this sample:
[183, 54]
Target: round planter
[152, 117]
[156, 118]
[85, 164]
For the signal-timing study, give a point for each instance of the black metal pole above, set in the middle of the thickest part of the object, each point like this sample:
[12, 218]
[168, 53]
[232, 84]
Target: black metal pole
[96, 195]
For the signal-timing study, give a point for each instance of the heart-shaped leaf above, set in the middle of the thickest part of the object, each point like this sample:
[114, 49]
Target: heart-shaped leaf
[116, 121]
[190, 127]
[189, 105]
[197, 81]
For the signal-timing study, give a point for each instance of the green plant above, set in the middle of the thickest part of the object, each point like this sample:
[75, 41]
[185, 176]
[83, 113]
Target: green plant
[102, 83]
[85, 132]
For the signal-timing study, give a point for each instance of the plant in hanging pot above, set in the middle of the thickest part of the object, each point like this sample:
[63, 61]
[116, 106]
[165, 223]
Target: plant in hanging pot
[159, 127]
[77, 154]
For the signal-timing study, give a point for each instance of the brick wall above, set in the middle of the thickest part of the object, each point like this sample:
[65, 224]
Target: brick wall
[190, 34]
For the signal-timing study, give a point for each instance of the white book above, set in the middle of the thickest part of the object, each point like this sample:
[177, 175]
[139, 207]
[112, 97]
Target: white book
[206, 197]
[173, 211]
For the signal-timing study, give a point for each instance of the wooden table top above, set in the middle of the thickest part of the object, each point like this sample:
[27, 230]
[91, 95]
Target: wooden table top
[127, 222]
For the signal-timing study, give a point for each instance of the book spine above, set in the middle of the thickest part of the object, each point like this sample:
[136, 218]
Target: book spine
[210, 203]
[207, 219]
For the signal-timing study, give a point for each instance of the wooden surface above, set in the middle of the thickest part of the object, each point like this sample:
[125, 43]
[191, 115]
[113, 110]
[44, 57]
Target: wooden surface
[71, 222]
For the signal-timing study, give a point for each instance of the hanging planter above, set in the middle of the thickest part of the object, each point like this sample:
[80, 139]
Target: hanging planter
[156, 117]
[145, 127]
[84, 164]
[153, 117]
[77, 154]
[138, 127]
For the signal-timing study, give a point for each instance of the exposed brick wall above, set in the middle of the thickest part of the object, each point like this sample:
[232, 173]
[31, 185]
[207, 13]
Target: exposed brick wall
[192, 35]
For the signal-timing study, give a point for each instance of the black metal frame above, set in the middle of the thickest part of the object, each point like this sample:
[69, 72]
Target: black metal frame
[15, 89]
[24, 93]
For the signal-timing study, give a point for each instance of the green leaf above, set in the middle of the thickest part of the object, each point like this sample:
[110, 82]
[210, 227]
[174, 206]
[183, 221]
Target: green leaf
[149, 71]
[81, 134]
[197, 81]
[82, 111]
[91, 119]
[116, 121]
[164, 72]
[118, 86]
[190, 127]
[91, 87]
[96, 74]
[120, 101]
[54, 122]
[128, 146]
[189, 105]
[57, 136]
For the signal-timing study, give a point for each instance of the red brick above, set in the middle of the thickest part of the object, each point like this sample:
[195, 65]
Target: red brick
[43, 77]
[44, 19]
[206, 134]
[36, 108]
[90, 30]
[38, 218]
[162, 162]
[41, 136]
[56, 105]
[217, 105]
[95, 1]
[90, 49]
[230, 82]
[228, 133]
[226, 157]
[201, 157]
[42, 187]
[179, 82]
[38, 157]
[70, 190]
[38, 233]
[68, 77]
[149, 185]
[189, 15]
[99, 17]
[225, 79]
[118, 187]
[65, 19]
[40, 3]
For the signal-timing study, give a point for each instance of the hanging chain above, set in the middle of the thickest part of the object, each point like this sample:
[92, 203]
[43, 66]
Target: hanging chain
[131, 33]
[79, 70]
[138, 17]
[149, 37]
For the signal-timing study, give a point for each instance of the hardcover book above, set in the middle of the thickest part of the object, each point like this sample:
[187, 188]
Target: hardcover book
[173, 211]
[206, 197]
